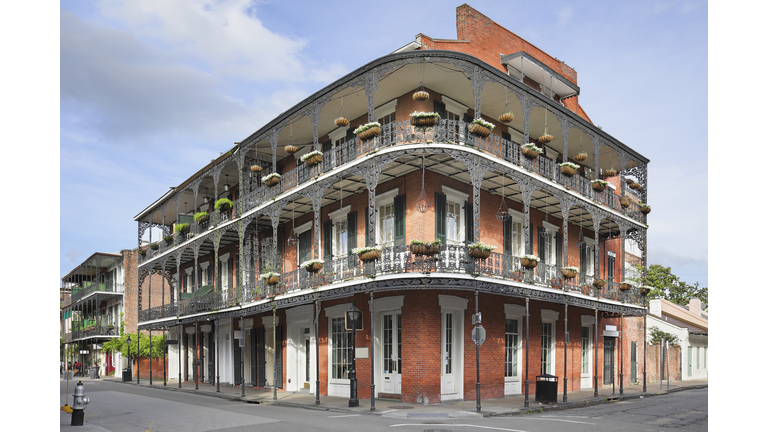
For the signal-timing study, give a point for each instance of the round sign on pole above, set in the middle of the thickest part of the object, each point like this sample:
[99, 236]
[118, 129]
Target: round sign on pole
[478, 335]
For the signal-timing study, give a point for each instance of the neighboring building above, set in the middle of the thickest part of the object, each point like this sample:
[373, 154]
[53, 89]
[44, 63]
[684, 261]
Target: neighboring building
[691, 326]
[408, 183]
[90, 315]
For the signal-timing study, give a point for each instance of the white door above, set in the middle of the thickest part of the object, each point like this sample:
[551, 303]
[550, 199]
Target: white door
[391, 352]
[304, 361]
[450, 382]
[586, 357]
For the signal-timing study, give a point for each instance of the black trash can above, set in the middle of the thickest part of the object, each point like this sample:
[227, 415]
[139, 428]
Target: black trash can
[94, 372]
[127, 375]
[546, 388]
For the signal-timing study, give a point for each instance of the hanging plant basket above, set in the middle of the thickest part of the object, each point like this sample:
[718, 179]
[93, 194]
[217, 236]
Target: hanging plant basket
[223, 205]
[629, 181]
[546, 138]
[312, 158]
[182, 228]
[367, 254]
[645, 208]
[312, 266]
[291, 149]
[636, 186]
[625, 286]
[271, 279]
[645, 290]
[271, 179]
[568, 169]
[480, 128]
[530, 151]
[581, 157]
[154, 246]
[420, 248]
[368, 131]
[598, 283]
[341, 122]
[421, 96]
[201, 217]
[599, 185]
[256, 168]
[610, 172]
[507, 117]
[425, 119]
[569, 272]
[529, 261]
[625, 202]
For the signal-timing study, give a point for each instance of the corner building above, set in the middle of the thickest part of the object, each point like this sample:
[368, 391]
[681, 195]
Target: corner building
[409, 182]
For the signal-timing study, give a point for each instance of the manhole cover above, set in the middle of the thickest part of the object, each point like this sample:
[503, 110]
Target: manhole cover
[400, 407]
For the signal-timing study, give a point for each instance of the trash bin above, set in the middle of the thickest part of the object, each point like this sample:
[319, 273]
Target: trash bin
[94, 372]
[546, 388]
[127, 375]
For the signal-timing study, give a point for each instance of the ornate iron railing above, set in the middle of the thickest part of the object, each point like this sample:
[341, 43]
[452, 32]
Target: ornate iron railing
[395, 260]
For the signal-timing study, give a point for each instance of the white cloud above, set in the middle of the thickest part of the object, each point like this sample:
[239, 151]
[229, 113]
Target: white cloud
[225, 36]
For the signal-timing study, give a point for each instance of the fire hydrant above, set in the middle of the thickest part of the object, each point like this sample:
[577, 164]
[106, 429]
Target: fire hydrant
[79, 401]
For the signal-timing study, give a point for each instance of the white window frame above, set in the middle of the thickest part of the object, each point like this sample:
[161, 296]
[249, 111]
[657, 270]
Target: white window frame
[517, 217]
[336, 217]
[223, 262]
[460, 198]
[332, 312]
[551, 316]
[383, 199]
[188, 279]
[512, 384]
[590, 254]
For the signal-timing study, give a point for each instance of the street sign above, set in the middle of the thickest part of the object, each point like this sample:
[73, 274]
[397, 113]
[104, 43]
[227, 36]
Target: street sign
[478, 335]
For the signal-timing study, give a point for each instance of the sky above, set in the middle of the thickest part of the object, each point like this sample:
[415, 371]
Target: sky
[152, 91]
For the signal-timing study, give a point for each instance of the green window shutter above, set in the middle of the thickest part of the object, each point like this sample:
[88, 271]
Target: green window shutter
[400, 220]
[469, 224]
[508, 236]
[559, 248]
[440, 108]
[611, 270]
[542, 258]
[529, 246]
[351, 231]
[327, 241]
[440, 217]
[367, 237]
[583, 259]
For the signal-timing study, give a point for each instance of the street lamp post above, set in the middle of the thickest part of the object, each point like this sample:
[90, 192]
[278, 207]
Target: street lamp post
[353, 321]
[130, 368]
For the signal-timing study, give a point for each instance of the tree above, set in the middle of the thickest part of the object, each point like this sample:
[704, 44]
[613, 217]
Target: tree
[657, 335]
[666, 285]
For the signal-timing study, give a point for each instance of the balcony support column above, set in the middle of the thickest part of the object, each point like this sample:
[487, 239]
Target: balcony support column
[315, 195]
[477, 167]
[597, 144]
[566, 202]
[274, 215]
[216, 284]
[370, 171]
[565, 128]
[597, 218]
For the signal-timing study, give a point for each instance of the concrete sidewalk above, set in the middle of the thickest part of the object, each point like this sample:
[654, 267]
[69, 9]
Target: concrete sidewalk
[510, 405]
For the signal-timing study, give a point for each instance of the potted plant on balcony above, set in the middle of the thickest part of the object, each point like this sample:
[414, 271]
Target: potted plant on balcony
[599, 185]
[480, 128]
[644, 208]
[479, 250]
[168, 240]
[636, 186]
[424, 119]
[625, 201]
[201, 217]
[223, 205]
[154, 246]
[529, 261]
[181, 228]
[610, 172]
[581, 157]
[568, 169]
[644, 289]
[569, 272]
[291, 149]
[256, 168]
[313, 265]
[271, 179]
[368, 131]
[626, 285]
[368, 253]
[312, 158]
[507, 117]
[270, 277]
[142, 252]
[530, 151]
[598, 283]
[420, 248]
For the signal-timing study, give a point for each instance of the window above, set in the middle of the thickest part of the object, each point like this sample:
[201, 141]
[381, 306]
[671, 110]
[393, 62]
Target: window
[340, 231]
[698, 357]
[585, 350]
[453, 225]
[546, 348]
[513, 234]
[589, 256]
[512, 337]
[385, 114]
[341, 349]
[387, 225]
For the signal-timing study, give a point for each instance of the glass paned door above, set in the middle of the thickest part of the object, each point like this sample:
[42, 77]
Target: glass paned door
[392, 350]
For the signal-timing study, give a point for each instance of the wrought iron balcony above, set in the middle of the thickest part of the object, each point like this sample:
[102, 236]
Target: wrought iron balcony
[87, 288]
[396, 260]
